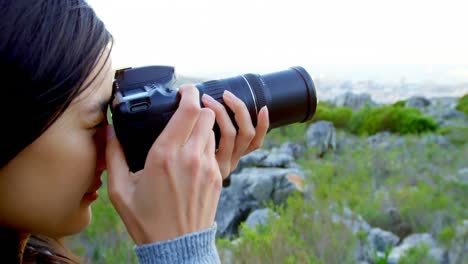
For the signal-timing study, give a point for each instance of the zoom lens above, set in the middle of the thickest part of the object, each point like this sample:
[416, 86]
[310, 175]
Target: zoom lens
[289, 95]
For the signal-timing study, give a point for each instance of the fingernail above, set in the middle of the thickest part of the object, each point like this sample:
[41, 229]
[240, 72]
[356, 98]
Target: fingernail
[266, 109]
[110, 132]
[229, 95]
[208, 98]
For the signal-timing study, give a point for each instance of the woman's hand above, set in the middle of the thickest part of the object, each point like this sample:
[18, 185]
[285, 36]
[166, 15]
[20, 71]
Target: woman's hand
[178, 190]
[233, 145]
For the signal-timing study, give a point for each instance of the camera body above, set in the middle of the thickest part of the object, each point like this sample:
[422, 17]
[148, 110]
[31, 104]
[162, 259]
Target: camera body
[144, 101]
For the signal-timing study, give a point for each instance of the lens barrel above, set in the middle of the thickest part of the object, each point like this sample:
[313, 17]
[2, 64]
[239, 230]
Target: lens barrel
[289, 95]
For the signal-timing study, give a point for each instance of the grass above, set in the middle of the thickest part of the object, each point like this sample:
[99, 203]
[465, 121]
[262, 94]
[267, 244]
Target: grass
[456, 134]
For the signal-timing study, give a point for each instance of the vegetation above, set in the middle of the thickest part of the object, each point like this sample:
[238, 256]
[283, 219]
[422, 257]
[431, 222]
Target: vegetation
[458, 135]
[405, 188]
[400, 103]
[370, 120]
[417, 255]
[463, 104]
[395, 119]
[369, 181]
[339, 116]
[303, 234]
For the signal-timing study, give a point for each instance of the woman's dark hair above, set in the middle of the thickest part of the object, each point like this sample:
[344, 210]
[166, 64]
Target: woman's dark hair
[48, 48]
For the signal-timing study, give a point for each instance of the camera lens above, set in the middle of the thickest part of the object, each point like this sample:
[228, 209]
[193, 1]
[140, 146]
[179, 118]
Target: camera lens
[289, 95]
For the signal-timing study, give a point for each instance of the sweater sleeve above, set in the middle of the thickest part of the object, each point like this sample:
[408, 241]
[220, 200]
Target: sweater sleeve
[196, 247]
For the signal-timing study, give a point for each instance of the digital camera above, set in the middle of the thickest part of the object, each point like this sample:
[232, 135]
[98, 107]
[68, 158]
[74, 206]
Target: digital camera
[145, 100]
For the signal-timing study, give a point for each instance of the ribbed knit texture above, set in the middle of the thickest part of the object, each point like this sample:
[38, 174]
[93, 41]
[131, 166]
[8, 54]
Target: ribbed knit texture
[196, 247]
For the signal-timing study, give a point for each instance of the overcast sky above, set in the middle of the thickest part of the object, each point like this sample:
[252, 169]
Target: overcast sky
[209, 37]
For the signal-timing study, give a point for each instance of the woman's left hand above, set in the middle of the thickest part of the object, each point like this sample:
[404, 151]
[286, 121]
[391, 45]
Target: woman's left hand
[232, 144]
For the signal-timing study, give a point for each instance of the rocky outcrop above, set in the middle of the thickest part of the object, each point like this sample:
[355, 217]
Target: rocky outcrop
[418, 102]
[259, 217]
[321, 137]
[279, 157]
[379, 241]
[355, 101]
[248, 191]
[443, 111]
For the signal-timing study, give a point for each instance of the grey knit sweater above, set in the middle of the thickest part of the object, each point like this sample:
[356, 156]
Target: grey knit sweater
[196, 247]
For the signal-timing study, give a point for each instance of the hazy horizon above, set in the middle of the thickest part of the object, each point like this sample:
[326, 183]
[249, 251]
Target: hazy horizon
[409, 41]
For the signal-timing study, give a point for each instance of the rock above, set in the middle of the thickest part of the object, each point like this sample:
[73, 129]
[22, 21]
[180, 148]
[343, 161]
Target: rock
[321, 135]
[382, 240]
[452, 113]
[443, 111]
[355, 223]
[282, 157]
[418, 102]
[253, 159]
[277, 159]
[458, 251]
[259, 217]
[378, 242]
[293, 149]
[355, 101]
[436, 253]
[249, 189]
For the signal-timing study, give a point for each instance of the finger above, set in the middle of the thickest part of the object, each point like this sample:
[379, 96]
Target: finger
[227, 135]
[117, 168]
[181, 124]
[242, 117]
[200, 133]
[210, 147]
[260, 131]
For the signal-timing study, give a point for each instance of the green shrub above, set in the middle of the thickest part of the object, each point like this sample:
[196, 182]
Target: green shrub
[400, 103]
[390, 118]
[294, 132]
[339, 116]
[446, 235]
[463, 104]
[458, 135]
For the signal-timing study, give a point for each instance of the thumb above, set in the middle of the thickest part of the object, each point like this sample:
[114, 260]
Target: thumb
[117, 167]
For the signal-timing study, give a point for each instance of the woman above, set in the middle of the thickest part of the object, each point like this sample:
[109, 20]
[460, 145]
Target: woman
[55, 66]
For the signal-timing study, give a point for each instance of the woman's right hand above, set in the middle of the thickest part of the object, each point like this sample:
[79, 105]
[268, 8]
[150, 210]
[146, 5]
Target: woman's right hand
[178, 190]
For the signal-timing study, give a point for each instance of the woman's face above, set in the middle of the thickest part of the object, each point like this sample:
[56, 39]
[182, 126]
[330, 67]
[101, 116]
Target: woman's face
[48, 188]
